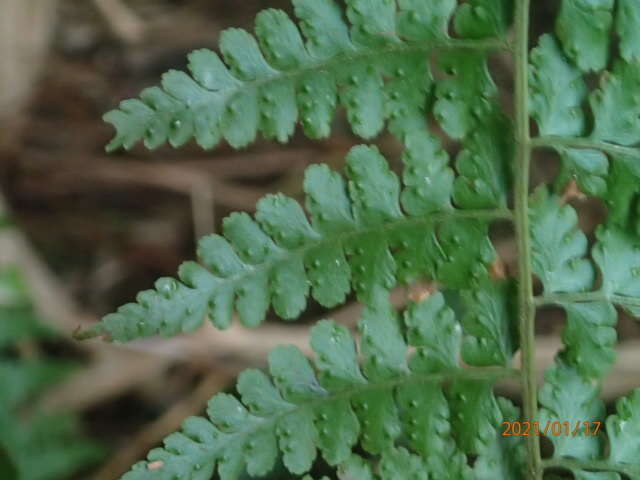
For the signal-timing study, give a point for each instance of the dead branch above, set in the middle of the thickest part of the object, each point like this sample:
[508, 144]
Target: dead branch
[124, 23]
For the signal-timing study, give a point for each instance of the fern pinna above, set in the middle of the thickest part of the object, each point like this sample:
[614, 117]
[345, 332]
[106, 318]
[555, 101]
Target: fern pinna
[412, 397]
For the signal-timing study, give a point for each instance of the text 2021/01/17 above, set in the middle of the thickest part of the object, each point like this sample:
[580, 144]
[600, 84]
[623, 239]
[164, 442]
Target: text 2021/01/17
[555, 429]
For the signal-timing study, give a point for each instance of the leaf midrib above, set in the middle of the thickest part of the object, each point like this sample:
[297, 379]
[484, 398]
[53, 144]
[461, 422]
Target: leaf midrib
[358, 54]
[285, 254]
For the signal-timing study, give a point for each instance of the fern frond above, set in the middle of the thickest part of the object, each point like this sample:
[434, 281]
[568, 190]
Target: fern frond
[376, 67]
[358, 238]
[393, 395]
[401, 400]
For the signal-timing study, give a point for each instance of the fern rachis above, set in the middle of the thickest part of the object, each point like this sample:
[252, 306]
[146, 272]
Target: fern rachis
[415, 395]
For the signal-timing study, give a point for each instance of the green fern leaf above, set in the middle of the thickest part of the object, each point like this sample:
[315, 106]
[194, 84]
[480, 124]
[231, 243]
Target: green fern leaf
[618, 258]
[557, 90]
[483, 178]
[355, 467]
[342, 403]
[589, 168]
[399, 463]
[397, 404]
[623, 430]
[424, 20]
[558, 246]
[428, 185]
[358, 237]
[621, 190]
[483, 18]
[590, 338]
[567, 397]
[615, 111]
[502, 458]
[491, 335]
[584, 27]
[376, 67]
[424, 320]
[628, 28]
[466, 95]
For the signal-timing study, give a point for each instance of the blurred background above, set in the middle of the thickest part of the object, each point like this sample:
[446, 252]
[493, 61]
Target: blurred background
[81, 232]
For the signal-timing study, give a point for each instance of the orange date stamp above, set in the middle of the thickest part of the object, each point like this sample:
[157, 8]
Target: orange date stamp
[553, 429]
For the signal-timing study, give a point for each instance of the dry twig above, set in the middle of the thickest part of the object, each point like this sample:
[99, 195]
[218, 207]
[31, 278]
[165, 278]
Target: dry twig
[124, 23]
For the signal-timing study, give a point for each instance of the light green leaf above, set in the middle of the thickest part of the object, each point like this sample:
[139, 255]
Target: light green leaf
[364, 98]
[466, 252]
[628, 28]
[322, 24]
[280, 40]
[426, 419]
[590, 338]
[408, 92]
[476, 416]
[383, 345]
[373, 187]
[329, 406]
[502, 458]
[489, 324]
[483, 18]
[424, 19]
[433, 329]
[337, 356]
[566, 397]
[623, 430]
[558, 246]
[400, 464]
[355, 468]
[617, 254]
[557, 91]
[623, 183]
[466, 95]
[358, 239]
[615, 108]
[373, 22]
[338, 430]
[427, 176]
[482, 167]
[377, 67]
[584, 27]
[589, 168]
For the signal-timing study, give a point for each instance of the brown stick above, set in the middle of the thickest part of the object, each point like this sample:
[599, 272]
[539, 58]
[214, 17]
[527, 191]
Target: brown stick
[124, 23]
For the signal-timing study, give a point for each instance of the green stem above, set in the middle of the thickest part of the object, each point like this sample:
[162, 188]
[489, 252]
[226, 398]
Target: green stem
[632, 471]
[599, 296]
[525, 285]
[567, 142]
